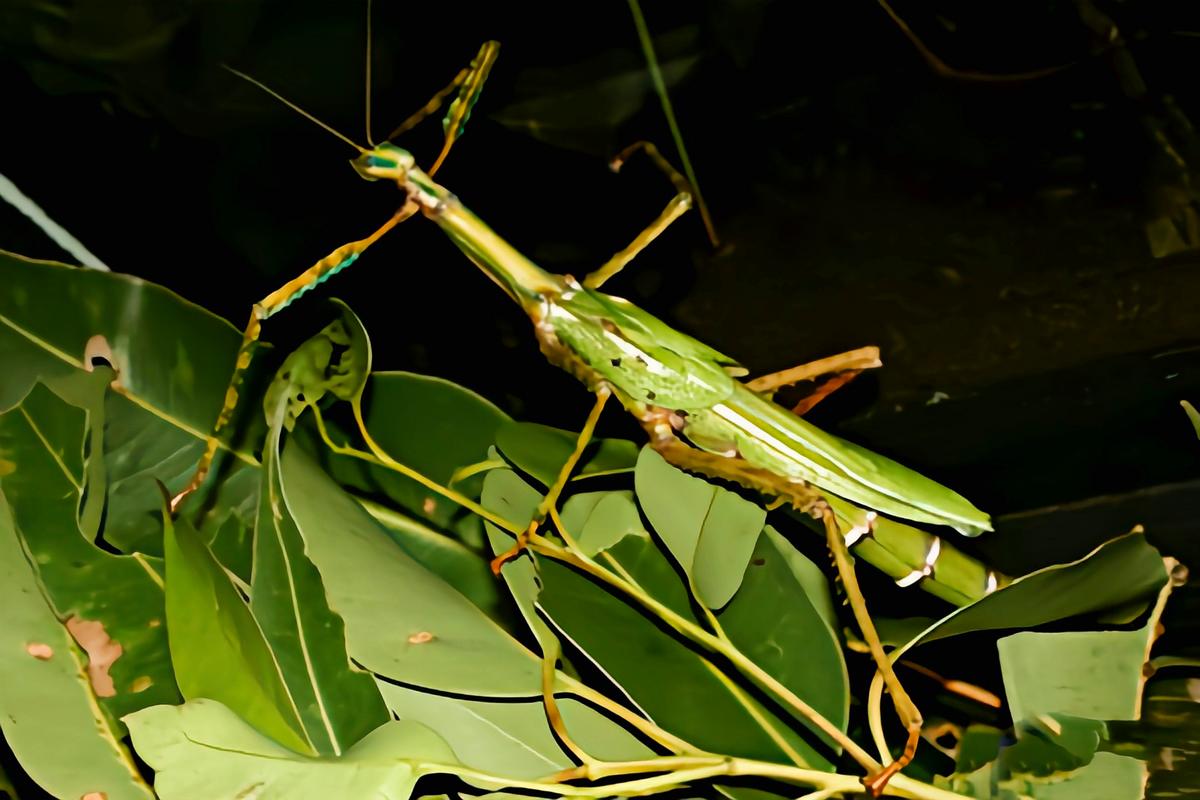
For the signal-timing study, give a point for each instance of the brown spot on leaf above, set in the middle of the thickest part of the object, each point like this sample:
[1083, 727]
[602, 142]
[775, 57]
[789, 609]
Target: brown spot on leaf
[421, 637]
[40, 650]
[154, 623]
[7, 467]
[102, 651]
[429, 506]
[97, 351]
[140, 684]
[94, 796]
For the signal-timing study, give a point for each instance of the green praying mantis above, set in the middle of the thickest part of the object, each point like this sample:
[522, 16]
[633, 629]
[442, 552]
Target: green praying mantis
[686, 395]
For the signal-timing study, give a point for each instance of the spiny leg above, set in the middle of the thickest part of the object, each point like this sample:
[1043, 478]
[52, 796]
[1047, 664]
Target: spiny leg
[564, 475]
[338, 260]
[469, 84]
[679, 204]
[848, 364]
[910, 717]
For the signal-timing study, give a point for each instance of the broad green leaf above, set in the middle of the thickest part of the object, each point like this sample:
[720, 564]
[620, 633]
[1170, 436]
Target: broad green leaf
[48, 713]
[113, 603]
[541, 451]
[338, 704]
[217, 647]
[710, 531]
[1096, 675]
[674, 685]
[203, 751]
[168, 390]
[793, 642]
[1108, 777]
[141, 450]
[1119, 571]
[614, 517]
[445, 556]
[149, 333]
[513, 739]
[402, 621]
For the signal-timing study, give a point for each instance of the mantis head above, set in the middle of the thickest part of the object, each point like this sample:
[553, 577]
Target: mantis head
[384, 161]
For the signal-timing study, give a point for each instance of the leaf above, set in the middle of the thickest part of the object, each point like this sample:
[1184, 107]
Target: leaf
[444, 556]
[1108, 777]
[168, 391]
[710, 531]
[541, 451]
[337, 703]
[1193, 415]
[794, 642]
[142, 449]
[113, 601]
[402, 622]
[670, 682]
[203, 751]
[48, 715]
[513, 739]
[334, 361]
[1119, 571]
[1096, 675]
[216, 645]
[52, 311]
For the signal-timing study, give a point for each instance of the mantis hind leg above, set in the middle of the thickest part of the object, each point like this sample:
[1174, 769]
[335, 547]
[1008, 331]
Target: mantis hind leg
[263, 310]
[909, 715]
[679, 204]
[843, 368]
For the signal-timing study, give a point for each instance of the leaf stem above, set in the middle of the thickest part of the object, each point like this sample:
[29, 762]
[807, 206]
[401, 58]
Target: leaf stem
[379, 457]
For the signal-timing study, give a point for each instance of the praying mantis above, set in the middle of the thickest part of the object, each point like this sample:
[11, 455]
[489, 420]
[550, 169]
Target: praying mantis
[687, 396]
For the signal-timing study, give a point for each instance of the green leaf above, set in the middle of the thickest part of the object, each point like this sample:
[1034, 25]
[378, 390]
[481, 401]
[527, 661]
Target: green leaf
[49, 312]
[1193, 415]
[337, 703]
[203, 751]
[710, 531]
[48, 713]
[168, 392]
[668, 680]
[114, 603]
[541, 451]
[217, 647]
[402, 621]
[513, 739]
[443, 555]
[335, 361]
[1096, 675]
[1119, 571]
[1108, 777]
[773, 620]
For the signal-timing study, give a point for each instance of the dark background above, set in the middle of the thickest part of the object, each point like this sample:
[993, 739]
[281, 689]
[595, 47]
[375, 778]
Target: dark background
[987, 229]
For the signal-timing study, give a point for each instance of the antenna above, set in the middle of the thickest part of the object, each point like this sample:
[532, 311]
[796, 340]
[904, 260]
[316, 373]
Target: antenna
[296, 108]
[370, 38]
